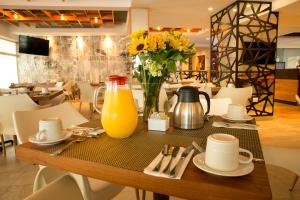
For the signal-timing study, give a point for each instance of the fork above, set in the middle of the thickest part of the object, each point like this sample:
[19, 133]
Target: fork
[166, 151]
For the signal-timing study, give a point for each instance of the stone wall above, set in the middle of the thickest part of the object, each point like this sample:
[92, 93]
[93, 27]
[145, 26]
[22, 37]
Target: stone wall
[76, 58]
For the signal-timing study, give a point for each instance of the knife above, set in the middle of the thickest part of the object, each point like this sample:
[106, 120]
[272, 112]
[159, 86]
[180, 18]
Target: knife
[179, 163]
[174, 154]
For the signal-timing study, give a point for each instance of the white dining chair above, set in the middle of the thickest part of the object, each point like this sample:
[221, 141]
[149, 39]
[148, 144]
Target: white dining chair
[86, 95]
[8, 105]
[26, 124]
[238, 95]
[218, 107]
[283, 157]
[62, 188]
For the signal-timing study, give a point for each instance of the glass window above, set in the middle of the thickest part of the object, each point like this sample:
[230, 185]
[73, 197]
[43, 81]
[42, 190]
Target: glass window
[8, 63]
[7, 47]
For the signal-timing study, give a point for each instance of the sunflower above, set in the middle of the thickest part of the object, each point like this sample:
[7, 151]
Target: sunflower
[138, 45]
[137, 34]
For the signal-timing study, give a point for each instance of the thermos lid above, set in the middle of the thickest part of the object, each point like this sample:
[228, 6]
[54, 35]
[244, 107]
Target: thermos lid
[188, 94]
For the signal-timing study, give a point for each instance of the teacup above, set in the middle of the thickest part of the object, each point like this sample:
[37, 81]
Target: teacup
[236, 111]
[45, 90]
[222, 152]
[50, 129]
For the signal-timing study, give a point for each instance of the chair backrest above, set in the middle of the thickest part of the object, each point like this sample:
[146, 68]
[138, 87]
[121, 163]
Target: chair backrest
[217, 106]
[282, 157]
[62, 188]
[10, 104]
[26, 122]
[86, 92]
[237, 95]
[68, 86]
[138, 95]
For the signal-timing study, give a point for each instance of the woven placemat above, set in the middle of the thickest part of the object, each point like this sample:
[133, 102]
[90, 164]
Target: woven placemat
[137, 151]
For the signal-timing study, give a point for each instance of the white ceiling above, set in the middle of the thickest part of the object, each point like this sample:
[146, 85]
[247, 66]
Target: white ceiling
[165, 13]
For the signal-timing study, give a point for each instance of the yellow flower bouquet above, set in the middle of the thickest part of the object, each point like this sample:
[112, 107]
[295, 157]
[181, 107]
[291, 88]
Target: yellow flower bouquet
[157, 55]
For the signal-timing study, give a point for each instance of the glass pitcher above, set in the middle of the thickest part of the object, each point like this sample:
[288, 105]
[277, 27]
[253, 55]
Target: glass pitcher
[119, 115]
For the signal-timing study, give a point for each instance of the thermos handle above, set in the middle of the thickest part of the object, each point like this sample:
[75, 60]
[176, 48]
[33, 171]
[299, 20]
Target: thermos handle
[207, 100]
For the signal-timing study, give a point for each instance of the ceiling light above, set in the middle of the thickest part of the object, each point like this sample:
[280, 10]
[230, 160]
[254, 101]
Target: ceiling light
[248, 5]
[62, 17]
[158, 28]
[188, 30]
[96, 20]
[210, 8]
[15, 16]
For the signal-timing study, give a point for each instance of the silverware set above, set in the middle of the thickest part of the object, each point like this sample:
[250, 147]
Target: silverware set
[169, 150]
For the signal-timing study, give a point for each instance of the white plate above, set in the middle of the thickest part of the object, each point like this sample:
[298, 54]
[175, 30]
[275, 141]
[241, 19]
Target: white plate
[33, 140]
[245, 119]
[243, 169]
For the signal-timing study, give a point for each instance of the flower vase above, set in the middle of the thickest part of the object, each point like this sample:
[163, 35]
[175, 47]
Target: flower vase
[151, 99]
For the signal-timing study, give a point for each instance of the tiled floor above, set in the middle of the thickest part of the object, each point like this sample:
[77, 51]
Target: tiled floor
[283, 129]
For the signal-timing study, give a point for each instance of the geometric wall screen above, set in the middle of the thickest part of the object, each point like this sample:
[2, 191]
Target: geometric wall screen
[243, 50]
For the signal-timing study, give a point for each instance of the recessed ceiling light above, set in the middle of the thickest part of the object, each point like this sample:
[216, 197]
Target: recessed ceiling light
[96, 20]
[158, 28]
[15, 16]
[62, 17]
[188, 30]
[210, 8]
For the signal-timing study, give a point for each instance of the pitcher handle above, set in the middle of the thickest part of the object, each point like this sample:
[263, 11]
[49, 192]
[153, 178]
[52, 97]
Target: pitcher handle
[96, 93]
[207, 100]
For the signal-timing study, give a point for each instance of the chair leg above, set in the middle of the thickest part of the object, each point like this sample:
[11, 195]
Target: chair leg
[80, 106]
[91, 110]
[137, 194]
[143, 194]
[3, 144]
[15, 139]
[294, 183]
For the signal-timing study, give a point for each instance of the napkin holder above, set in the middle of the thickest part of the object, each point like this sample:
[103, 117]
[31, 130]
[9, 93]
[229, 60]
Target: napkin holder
[158, 124]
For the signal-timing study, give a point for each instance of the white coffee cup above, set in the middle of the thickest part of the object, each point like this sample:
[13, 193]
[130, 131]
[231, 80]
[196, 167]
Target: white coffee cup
[50, 129]
[236, 111]
[222, 152]
[45, 90]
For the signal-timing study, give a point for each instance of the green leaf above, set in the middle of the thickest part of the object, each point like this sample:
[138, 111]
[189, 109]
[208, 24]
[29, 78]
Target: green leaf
[171, 65]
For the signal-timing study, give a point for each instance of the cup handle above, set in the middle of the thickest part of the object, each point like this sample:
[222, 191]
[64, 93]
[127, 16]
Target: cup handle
[250, 156]
[41, 135]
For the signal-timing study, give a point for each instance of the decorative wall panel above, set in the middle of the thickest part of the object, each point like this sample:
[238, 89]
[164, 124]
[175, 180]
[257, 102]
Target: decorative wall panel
[75, 58]
[243, 48]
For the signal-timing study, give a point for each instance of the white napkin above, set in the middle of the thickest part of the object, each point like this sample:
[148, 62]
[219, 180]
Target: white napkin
[235, 125]
[149, 169]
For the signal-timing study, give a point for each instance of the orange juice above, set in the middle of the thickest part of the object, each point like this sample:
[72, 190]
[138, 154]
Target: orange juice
[119, 115]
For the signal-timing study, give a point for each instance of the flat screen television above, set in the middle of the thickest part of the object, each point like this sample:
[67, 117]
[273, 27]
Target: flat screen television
[33, 45]
[260, 51]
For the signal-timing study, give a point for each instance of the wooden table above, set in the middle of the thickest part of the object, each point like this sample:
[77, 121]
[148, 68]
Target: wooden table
[37, 96]
[195, 184]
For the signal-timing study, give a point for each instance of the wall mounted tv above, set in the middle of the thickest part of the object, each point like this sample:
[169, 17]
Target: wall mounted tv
[32, 45]
[261, 51]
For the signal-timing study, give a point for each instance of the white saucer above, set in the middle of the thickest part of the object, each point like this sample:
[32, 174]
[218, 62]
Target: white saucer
[33, 139]
[245, 119]
[243, 169]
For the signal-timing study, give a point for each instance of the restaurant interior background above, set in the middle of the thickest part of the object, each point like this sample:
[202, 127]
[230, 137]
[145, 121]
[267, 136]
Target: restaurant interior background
[88, 41]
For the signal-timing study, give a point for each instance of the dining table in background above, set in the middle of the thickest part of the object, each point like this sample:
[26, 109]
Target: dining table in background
[38, 96]
[122, 161]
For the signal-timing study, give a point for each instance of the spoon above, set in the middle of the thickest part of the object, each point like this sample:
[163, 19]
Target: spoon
[59, 151]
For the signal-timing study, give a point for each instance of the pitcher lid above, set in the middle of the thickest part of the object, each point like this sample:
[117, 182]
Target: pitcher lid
[121, 80]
